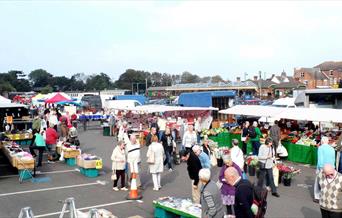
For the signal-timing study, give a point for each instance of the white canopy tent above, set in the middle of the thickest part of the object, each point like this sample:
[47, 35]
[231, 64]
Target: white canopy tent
[312, 114]
[11, 105]
[305, 114]
[4, 100]
[163, 108]
[253, 110]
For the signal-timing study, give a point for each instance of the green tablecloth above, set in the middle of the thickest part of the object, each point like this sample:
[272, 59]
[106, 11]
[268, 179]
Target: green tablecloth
[297, 153]
[301, 153]
[225, 140]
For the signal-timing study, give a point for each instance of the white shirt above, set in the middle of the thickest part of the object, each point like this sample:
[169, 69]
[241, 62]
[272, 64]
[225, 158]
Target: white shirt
[53, 119]
[189, 139]
[237, 156]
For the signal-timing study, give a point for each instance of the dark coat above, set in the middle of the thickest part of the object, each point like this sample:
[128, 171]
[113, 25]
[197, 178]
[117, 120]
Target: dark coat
[194, 166]
[243, 199]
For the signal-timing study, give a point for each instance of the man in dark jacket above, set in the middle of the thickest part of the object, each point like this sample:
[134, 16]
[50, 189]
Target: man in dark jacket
[150, 135]
[243, 193]
[194, 166]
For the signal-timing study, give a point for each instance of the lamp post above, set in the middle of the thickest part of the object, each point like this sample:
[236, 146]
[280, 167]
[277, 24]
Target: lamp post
[260, 83]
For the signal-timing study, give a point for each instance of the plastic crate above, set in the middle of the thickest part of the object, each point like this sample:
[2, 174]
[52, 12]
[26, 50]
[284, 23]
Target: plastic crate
[24, 174]
[89, 172]
[70, 161]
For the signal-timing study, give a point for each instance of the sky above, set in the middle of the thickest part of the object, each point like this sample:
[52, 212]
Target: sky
[227, 38]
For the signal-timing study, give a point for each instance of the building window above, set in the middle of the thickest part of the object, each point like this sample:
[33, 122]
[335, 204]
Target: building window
[331, 73]
[302, 74]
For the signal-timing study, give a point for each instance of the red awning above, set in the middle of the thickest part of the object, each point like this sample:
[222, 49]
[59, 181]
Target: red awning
[57, 98]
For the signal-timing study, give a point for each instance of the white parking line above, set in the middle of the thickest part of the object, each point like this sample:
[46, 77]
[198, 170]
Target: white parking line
[50, 189]
[42, 173]
[86, 208]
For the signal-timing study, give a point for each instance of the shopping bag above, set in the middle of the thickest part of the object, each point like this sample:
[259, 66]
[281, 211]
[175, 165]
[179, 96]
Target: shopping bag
[113, 177]
[213, 160]
[275, 175]
[281, 150]
[61, 158]
[150, 157]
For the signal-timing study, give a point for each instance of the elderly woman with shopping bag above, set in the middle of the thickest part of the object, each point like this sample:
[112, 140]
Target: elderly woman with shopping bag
[155, 159]
[118, 166]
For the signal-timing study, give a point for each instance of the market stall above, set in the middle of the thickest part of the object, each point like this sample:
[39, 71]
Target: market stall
[176, 207]
[304, 148]
[18, 158]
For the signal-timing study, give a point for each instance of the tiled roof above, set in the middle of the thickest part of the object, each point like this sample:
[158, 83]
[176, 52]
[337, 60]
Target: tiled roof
[288, 85]
[330, 65]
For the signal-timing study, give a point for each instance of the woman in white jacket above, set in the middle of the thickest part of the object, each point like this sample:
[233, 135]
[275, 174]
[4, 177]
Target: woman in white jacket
[133, 155]
[119, 164]
[157, 167]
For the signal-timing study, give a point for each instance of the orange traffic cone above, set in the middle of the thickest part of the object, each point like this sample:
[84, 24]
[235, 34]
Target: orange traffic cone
[133, 193]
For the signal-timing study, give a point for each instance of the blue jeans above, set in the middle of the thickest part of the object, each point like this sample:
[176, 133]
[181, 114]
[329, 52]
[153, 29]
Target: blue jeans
[266, 176]
[168, 155]
[255, 147]
[160, 134]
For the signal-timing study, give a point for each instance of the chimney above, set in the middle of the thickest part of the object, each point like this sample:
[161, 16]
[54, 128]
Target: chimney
[255, 78]
[283, 74]
[238, 79]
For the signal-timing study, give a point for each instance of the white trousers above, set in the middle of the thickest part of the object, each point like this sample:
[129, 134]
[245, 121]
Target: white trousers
[156, 180]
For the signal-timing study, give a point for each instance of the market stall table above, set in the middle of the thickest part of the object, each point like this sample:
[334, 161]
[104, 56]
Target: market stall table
[169, 207]
[301, 153]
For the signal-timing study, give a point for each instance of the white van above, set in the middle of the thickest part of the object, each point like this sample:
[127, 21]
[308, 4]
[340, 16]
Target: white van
[285, 102]
[121, 104]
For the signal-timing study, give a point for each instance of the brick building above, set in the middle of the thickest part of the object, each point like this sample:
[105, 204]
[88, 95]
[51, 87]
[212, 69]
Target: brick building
[327, 74]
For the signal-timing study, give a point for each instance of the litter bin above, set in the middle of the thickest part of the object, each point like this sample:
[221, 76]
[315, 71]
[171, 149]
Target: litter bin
[106, 131]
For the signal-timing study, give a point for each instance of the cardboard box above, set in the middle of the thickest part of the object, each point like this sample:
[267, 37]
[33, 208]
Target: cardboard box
[71, 153]
[86, 164]
[23, 164]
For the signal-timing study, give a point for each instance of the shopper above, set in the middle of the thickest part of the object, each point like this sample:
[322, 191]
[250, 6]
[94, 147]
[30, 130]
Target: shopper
[211, 202]
[266, 162]
[194, 166]
[325, 155]
[330, 201]
[152, 133]
[189, 138]
[254, 134]
[53, 119]
[169, 146]
[123, 130]
[37, 122]
[157, 167]
[51, 141]
[38, 143]
[205, 147]
[118, 165]
[227, 190]
[133, 156]
[243, 193]
[237, 154]
[244, 135]
[198, 128]
[275, 135]
[64, 127]
[203, 157]
[112, 123]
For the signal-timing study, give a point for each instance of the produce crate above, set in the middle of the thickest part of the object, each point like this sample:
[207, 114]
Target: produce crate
[88, 164]
[89, 172]
[70, 161]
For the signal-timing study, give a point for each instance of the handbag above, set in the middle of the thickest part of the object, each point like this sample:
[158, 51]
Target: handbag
[150, 157]
[113, 177]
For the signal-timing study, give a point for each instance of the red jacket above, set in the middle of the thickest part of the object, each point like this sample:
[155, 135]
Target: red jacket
[51, 136]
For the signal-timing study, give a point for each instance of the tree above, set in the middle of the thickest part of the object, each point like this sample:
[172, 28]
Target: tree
[99, 82]
[6, 87]
[47, 89]
[216, 79]
[40, 78]
[205, 79]
[16, 80]
[156, 79]
[76, 81]
[62, 83]
[130, 76]
[189, 78]
[166, 80]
